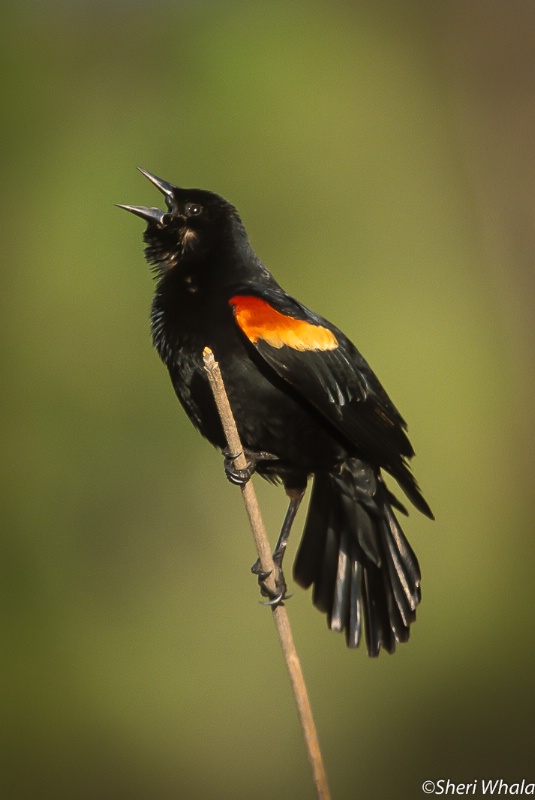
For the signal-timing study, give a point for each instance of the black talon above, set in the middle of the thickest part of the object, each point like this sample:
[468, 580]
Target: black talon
[276, 597]
[260, 573]
[276, 601]
[238, 477]
[231, 456]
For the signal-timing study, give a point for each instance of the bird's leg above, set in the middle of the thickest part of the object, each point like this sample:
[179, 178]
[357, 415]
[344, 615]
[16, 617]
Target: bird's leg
[239, 477]
[277, 597]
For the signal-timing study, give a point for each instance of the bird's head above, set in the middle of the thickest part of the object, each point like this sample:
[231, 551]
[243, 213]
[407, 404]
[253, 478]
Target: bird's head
[196, 224]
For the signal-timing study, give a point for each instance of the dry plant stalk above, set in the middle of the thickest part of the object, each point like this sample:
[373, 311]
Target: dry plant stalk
[280, 615]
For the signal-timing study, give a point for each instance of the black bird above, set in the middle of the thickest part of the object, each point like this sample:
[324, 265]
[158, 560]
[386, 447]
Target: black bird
[305, 403]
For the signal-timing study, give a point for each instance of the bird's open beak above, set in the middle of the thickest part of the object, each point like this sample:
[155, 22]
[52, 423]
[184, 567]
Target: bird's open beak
[153, 214]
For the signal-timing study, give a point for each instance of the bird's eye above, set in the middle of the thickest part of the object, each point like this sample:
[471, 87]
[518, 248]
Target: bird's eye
[193, 209]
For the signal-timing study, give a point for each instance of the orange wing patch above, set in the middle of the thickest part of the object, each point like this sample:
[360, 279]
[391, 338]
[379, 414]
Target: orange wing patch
[259, 320]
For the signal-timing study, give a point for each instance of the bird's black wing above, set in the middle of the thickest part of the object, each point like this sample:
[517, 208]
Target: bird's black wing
[327, 370]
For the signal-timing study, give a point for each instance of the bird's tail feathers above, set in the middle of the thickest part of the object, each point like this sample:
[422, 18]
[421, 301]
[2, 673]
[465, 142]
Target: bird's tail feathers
[353, 550]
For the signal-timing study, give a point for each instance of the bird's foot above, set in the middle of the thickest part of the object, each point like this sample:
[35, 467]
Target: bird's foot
[275, 597]
[239, 477]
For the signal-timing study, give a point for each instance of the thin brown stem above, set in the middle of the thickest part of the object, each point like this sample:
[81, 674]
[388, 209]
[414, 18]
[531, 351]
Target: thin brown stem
[280, 615]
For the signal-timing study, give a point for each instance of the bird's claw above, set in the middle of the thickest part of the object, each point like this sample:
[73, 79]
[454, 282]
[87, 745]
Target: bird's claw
[238, 477]
[277, 597]
[261, 574]
[278, 600]
[274, 602]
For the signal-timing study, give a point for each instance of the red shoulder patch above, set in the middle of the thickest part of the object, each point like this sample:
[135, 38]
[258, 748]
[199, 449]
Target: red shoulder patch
[259, 320]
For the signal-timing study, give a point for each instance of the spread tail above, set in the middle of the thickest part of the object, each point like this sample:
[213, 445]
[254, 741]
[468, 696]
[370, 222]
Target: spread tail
[364, 571]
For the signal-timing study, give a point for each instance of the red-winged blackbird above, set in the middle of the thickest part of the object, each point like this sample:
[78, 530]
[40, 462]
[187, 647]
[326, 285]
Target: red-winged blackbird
[305, 403]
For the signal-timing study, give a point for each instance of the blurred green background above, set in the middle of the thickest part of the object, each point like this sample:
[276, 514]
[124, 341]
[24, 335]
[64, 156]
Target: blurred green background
[382, 156]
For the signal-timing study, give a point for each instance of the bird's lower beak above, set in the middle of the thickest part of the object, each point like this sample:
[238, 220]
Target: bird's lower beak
[149, 214]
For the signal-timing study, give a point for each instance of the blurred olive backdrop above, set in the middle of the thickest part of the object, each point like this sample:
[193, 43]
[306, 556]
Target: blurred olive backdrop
[382, 156]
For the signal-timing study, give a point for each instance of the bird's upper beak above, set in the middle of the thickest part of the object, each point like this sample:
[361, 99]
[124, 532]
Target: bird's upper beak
[153, 214]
